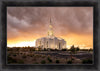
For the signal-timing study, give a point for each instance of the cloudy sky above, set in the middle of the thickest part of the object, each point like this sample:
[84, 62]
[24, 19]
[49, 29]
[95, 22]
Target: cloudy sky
[26, 24]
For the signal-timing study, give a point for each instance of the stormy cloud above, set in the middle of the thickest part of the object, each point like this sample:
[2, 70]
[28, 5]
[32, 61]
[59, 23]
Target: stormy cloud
[65, 20]
[34, 21]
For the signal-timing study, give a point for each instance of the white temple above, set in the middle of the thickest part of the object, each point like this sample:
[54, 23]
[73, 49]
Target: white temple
[51, 41]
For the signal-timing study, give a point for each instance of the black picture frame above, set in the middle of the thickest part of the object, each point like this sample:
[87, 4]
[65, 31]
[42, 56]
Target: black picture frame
[3, 24]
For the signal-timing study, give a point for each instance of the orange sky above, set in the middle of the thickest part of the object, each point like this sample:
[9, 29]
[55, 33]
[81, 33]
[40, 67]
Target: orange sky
[26, 24]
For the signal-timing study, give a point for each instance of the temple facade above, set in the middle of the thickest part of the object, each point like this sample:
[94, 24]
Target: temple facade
[51, 41]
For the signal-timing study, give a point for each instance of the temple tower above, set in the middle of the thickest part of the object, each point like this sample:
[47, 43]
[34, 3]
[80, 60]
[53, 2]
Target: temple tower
[50, 30]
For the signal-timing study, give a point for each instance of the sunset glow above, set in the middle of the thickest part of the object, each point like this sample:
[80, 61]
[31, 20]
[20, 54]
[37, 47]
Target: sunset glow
[26, 24]
[22, 44]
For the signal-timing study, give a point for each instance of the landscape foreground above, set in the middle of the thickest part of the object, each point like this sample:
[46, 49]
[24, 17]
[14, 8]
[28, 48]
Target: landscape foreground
[28, 55]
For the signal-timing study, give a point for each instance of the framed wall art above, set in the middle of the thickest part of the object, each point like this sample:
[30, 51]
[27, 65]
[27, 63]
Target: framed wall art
[49, 35]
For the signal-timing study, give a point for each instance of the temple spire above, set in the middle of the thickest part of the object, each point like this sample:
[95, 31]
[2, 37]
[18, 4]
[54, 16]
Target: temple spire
[50, 31]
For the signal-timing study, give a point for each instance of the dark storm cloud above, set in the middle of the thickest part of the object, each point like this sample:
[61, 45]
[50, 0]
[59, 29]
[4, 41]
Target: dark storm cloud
[75, 20]
[35, 20]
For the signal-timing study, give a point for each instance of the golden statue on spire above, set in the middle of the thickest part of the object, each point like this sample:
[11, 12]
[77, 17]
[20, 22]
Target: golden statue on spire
[50, 26]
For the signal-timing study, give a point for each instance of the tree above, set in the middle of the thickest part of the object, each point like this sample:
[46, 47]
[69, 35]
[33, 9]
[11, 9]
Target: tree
[90, 49]
[72, 49]
[77, 48]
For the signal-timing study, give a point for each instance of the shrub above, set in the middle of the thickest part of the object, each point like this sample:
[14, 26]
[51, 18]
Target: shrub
[72, 58]
[33, 49]
[33, 54]
[43, 62]
[14, 54]
[43, 56]
[21, 53]
[56, 49]
[9, 49]
[11, 60]
[17, 49]
[69, 62]
[57, 61]
[20, 62]
[49, 59]
[52, 49]
[37, 55]
[45, 49]
[23, 56]
[87, 61]
[36, 63]
[64, 49]
[34, 59]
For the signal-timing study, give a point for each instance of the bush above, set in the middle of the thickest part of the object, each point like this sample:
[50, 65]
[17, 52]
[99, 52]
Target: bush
[57, 61]
[69, 62]
[9, 49]
[17, 49]
[56, 50]
[33, 49]
[37, 55]
[21, 53]
[43, 62]
[87, 61]
[23, 56]
[11, 60]
[34, 59]
[43, 56]
[72, 58]
[45, 49]
[51, 49]
[14, 54]
[31, 55]
[64, 49]
[20, 62]
[49, 59]
[36, 63]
